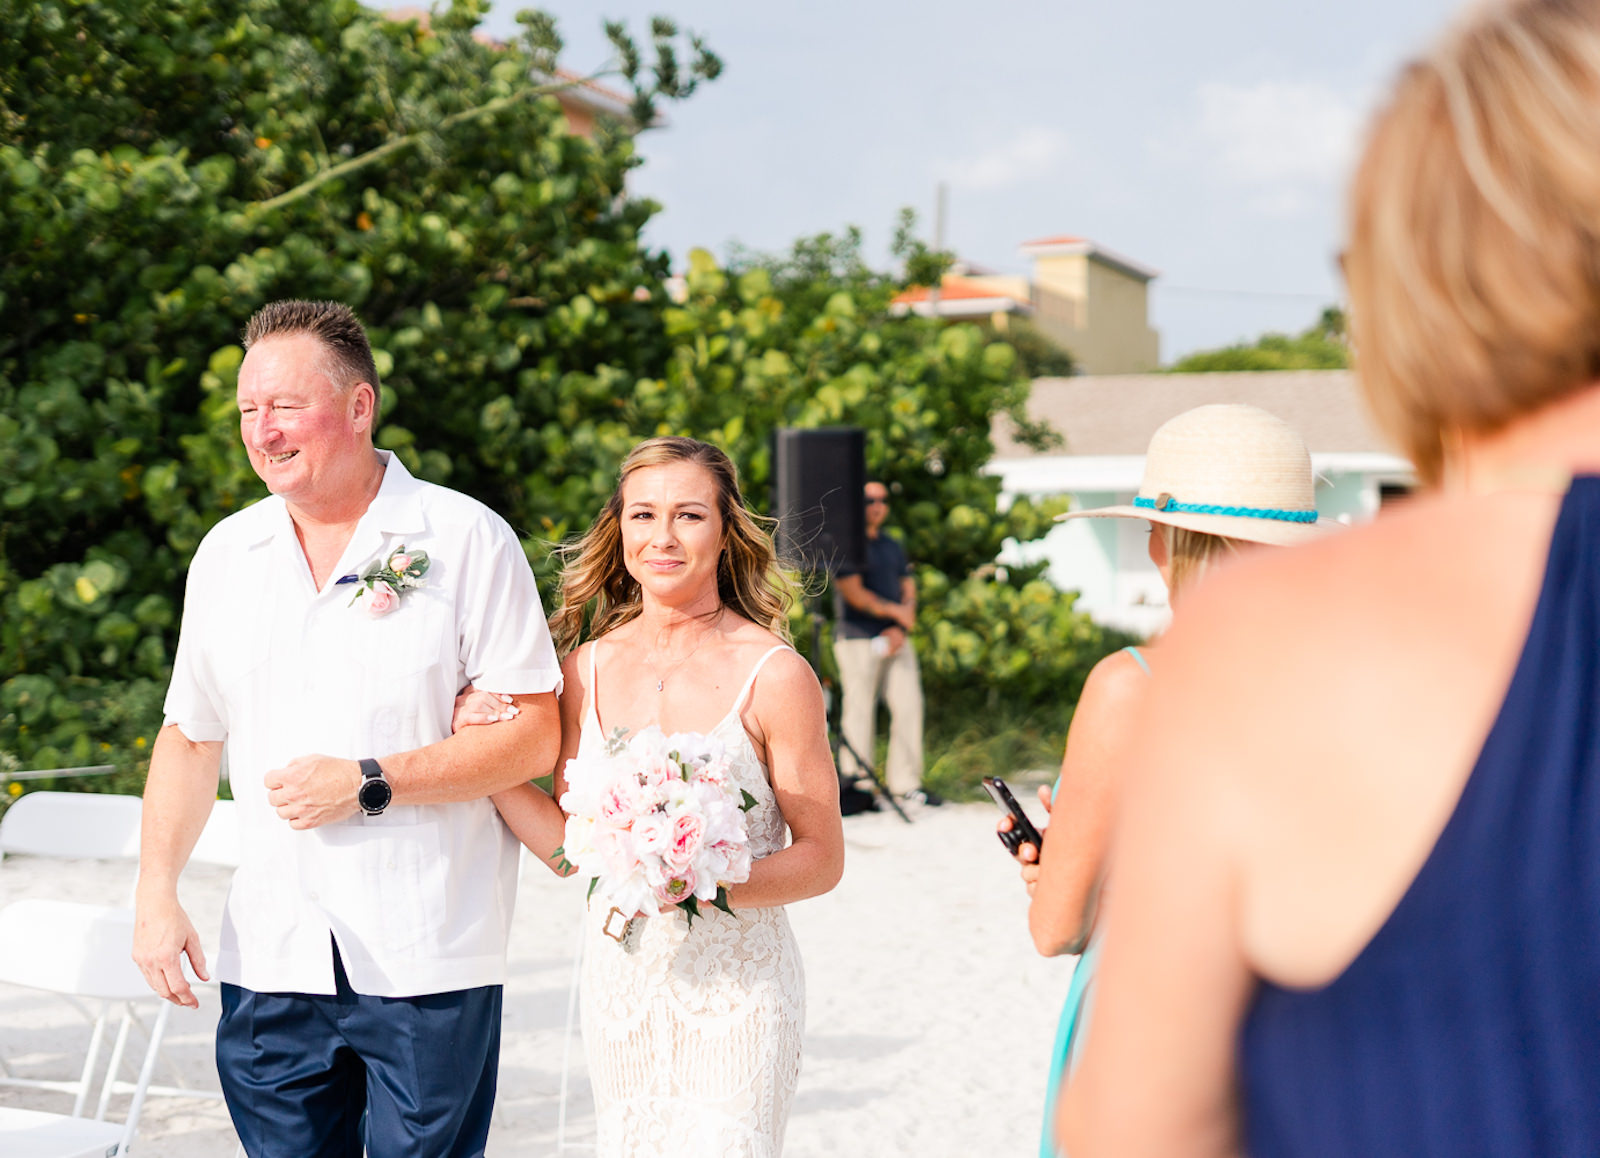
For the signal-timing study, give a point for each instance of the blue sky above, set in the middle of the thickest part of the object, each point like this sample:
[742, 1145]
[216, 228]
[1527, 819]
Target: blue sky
[1210, 141]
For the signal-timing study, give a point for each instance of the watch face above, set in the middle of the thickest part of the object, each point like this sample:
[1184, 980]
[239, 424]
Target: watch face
[374, 795]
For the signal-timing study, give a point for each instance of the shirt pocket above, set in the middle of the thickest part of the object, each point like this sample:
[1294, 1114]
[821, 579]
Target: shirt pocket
[239, 652]
[385, 883]
[407, 666]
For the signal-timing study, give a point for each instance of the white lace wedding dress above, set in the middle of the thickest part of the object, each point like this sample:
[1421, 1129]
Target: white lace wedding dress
[693, 1037]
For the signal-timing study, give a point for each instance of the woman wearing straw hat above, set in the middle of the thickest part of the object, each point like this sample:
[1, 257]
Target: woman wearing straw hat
[1357, 860]
[1217, 480]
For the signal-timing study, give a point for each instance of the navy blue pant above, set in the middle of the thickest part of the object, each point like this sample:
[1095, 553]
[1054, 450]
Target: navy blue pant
[300, 1070]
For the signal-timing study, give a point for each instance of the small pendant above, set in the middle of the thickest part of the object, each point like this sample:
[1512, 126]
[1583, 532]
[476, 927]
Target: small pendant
[658, 684]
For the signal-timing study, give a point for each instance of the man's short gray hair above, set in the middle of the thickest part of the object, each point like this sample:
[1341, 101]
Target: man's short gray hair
[336, 328]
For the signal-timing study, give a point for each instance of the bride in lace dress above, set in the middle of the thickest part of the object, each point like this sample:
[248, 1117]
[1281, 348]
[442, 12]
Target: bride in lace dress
[692, 1034]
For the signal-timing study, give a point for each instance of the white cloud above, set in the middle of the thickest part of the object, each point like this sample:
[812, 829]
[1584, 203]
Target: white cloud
[1288, 143]
[1030, 153]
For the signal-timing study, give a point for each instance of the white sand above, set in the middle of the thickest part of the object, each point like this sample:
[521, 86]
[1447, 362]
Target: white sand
[928, 1032]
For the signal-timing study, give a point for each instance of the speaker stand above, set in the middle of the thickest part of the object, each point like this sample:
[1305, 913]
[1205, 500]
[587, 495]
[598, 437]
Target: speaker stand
[836, 738]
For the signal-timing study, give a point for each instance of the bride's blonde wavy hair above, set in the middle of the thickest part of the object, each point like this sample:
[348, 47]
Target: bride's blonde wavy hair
[595, 583]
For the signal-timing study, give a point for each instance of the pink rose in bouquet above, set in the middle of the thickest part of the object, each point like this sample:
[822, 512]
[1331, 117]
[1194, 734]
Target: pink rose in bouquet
[683, 842]
[678, 889]
[619, 802]
[652, 833]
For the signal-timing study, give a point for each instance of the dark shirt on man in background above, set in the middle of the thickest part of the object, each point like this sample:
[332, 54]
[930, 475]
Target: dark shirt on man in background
[886, 567]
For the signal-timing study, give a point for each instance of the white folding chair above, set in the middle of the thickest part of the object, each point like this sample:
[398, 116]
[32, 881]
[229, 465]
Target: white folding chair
[34, 933]
[76, 825]
[218, 845]
[35, 1134]
[82, 951]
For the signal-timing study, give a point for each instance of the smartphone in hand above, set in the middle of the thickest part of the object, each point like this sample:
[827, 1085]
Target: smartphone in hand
[1022, 829]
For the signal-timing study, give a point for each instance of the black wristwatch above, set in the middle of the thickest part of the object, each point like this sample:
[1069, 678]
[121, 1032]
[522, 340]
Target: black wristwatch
[374, 794]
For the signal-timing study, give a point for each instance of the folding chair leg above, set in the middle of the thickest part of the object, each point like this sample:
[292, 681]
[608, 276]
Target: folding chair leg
[96, 1039]
[115, 1067]
[156, 1033]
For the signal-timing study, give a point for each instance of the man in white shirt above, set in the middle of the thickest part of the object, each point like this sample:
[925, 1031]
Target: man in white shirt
[325, 632]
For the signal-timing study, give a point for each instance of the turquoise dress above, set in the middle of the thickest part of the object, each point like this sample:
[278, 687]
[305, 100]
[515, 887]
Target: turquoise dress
[1074, 1015]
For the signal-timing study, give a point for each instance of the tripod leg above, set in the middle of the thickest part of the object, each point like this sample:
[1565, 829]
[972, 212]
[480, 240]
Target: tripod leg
[878, 784]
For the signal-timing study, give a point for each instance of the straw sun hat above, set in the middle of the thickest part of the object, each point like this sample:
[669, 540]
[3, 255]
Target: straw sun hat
[1227, 470]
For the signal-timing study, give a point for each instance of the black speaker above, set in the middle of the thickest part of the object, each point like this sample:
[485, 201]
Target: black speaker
[817, 479]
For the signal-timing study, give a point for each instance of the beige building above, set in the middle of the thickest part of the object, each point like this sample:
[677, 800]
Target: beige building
[1081, 296]
[1095, 303]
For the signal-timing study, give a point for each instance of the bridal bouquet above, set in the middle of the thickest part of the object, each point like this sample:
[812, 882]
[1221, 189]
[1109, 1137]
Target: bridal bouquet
[657, 820]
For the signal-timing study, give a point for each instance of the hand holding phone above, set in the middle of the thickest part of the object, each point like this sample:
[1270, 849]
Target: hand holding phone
[1022, 829]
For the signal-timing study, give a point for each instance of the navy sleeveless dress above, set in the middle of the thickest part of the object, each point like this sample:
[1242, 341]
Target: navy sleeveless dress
[1470, 1024]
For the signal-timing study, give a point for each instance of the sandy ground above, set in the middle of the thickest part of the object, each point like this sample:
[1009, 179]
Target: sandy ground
[928, 1032]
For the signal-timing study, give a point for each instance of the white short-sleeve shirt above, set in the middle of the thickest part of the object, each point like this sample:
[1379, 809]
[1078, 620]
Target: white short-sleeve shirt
[420, 898]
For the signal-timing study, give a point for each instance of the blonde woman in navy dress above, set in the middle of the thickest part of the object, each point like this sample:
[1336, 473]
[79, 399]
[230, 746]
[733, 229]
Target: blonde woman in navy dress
[1357, 868]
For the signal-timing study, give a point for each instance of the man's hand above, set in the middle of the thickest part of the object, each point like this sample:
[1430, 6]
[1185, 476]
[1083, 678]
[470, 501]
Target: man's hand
[162, 933]
[903, 614]
[311, 791]
[895, 638]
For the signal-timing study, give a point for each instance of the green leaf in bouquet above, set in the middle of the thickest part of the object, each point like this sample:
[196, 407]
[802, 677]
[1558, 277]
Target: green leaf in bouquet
[594, 883]
[691, 908]
[721, 900]
[749, 801]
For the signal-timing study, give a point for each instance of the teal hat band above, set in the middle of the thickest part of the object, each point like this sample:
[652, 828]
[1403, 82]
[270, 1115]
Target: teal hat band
[1168, 503]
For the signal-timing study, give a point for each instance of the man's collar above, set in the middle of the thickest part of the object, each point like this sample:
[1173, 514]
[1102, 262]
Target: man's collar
[395, 509]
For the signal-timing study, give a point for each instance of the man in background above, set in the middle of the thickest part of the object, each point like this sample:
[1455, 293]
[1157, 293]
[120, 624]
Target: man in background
[873, 648]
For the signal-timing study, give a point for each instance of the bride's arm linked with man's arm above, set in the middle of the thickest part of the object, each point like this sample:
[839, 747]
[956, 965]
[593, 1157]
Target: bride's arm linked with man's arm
[531, 814]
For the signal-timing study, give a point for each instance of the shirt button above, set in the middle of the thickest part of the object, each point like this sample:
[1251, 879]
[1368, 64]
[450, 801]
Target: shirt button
[313, 896]
[389, 865]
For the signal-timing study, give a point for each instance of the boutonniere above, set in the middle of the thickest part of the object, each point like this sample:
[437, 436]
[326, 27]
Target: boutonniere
[386, 580]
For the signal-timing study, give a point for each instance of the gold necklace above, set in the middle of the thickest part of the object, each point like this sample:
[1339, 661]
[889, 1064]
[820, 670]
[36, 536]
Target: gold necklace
[661, 677]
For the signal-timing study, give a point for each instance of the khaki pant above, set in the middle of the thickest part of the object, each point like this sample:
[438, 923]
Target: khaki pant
[863, 675]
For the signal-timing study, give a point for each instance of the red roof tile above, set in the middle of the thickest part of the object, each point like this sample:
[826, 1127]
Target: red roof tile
[950, 290]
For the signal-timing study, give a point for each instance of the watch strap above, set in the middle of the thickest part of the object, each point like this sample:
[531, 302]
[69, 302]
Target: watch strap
[370, 770]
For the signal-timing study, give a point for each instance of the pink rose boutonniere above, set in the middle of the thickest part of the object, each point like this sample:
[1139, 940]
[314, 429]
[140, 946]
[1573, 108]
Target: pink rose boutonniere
[386, 580]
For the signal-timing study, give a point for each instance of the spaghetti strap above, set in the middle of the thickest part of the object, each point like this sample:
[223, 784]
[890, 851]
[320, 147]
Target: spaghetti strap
[1133, 651]
[594, 692]
[750, 683]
